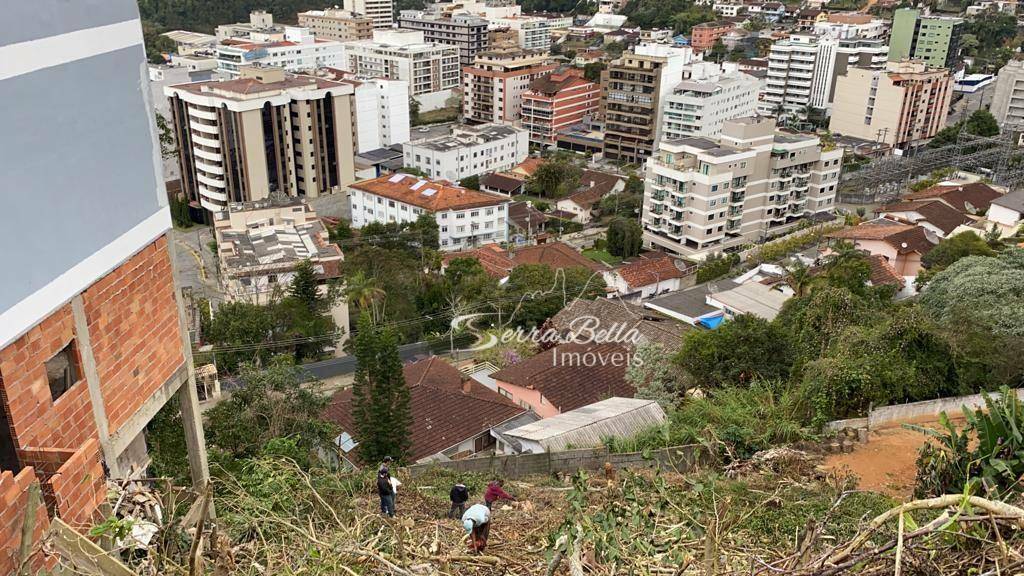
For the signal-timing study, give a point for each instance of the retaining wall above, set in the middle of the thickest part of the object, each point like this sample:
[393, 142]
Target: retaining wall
[913, 410]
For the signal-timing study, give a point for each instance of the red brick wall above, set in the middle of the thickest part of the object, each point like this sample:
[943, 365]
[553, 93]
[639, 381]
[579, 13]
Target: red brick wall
[79, 486]
[133, 325]
[13, 503]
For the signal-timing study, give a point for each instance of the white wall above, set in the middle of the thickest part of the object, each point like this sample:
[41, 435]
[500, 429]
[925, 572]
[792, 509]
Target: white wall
[382, 114]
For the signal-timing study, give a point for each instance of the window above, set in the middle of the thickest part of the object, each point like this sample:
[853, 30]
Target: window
[62, 370]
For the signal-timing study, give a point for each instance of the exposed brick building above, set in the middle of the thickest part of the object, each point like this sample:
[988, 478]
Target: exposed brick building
[704, 35]
[558, 100]
[92, 343]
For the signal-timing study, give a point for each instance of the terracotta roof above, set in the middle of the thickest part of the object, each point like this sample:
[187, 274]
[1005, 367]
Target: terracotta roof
[973, 198]
[498, 263]
[904, 237]
[555, 82]
[518, 211]
[446, 407]
[501, 182]
[494, 259]
[882, 273]
[571, 384]
[594, 185]
[246, 86]
[935, 212]
[431, 195]
[652, 268]
[528, 166]
[611, 314]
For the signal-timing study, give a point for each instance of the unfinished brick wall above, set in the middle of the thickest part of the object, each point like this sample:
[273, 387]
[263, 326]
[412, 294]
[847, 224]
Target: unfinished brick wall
[79, 486]
[13, 508]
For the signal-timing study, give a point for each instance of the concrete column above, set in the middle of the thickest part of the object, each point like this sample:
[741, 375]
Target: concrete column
[92, 380]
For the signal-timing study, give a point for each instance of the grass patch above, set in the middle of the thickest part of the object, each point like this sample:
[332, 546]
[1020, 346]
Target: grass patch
[438, 116]
[602, 256]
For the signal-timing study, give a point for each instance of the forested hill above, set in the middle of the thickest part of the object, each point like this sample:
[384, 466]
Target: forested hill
[206, 15]
[680, 15]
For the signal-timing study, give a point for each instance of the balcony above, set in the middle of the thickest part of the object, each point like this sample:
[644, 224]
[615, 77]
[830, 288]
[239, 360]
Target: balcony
[202, 114]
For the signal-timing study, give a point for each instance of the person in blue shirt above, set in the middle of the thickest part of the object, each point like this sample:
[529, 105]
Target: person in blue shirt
[477, 521]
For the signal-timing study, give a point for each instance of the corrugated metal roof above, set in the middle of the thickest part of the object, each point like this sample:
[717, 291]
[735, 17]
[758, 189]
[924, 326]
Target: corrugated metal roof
[587, 426]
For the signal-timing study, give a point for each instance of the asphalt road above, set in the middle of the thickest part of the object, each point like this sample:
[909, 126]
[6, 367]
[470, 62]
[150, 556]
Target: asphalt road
[196, 265]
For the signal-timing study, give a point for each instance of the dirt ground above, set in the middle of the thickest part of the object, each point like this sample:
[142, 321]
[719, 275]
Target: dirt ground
[887, 463]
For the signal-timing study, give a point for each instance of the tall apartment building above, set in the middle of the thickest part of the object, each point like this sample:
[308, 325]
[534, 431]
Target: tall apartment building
[702, 195]
[337, 24]
[432, 70]
[904, 105]
[1008, 100]
[467, 32]
[468, 151]
[380, 11]
[494, 85]
[802, 70]
[633, 91]
[934, 39]
[709, 95]
[264, 132]
[299, 51]
[852, 25]
[92, 337]
[556, 101]
[465, 217]
[703, 36]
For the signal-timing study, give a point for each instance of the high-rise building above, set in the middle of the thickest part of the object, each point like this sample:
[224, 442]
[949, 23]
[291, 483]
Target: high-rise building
[380, 11]
[336, 24]
[494, 85]
[1008, 100]
[92, 337]
[298, 51]
[702, 195]
[903, 106]
[934, 39]
[556, 101]
[465, 31]
[262, 133]
[534, 32]
[633, 90]
[708, 95]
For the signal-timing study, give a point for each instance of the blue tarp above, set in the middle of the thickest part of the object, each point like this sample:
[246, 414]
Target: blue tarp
[711, 322]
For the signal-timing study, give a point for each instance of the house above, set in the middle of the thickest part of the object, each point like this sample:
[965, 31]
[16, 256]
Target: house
[499, 262]
[973, 198]
[692, 305]
[648, 275]
[500, 184]
[567, 377]
[452, 415]
[932, 214]
[1007, 212]
[613, 316]
[753, 298]
[526, 220]
[593, 187]
[902, 245]
[584, 427]
[588, 56]
[525, 169]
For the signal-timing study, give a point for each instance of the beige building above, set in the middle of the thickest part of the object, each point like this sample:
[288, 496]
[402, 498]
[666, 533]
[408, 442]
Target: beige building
[903, 106]
[702, 196]
[262, 133]
[337, 24]
[380, 11]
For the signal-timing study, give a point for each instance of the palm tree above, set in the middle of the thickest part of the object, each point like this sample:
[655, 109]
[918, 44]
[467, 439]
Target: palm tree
[365, 293]
[799, 278]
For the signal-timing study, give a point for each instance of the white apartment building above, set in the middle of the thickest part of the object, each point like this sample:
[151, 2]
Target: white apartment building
[299, 51]
[432, 70]
[534, 31]
[702, 195]
[847, 26]
[380, 11]
[465, 217]
[728, 8]
[469, 151]
[1008, 100]
[709, 95]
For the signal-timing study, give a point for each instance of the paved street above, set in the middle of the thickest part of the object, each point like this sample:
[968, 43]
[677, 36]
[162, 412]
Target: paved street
[971, 102]
[196, 265]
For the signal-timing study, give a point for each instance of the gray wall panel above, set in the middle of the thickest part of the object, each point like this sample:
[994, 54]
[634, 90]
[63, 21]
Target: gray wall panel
[24, 20]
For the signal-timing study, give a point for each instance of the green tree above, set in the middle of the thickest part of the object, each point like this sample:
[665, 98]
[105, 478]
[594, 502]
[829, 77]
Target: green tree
[554, 179]
[988, 288]
[813, 323]
[623, 204]
[470, 182]
[614, 49]
[847, 267]
[305, 287]
[718, 51]
[414, 112]
[652, 377]
[716, 266]
[365, 292]
[736, 353]
[634, 185]
[340, 232]
[592, 71]
[949, 251]
[245, 331]
[624, 238]
[380, 397]
[168, 144]
[981, 122]
[535, 292]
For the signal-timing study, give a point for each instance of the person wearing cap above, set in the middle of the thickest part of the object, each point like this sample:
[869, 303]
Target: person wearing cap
[477, 521]
[459, 495]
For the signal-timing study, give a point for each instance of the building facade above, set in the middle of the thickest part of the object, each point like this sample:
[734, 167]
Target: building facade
[904, 105]
[465, 217]
[556, 101]
[468, 151]
[465, 31]
[1008, 100]
[934, 39]
[494, 85]
[703, 196]
[704, 36]
[432, 70]
[335, 24]
[380, 11]
[298, 51]
[92, 337]
[533, 32]
[709, 95]
[264, 132]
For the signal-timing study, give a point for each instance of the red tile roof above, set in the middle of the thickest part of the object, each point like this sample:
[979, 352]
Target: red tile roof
[445, 195]
[444, 412]
[973, 198]
[563, 377]
[904, 237]
[650, 269]
[882, 273]
[935, 212]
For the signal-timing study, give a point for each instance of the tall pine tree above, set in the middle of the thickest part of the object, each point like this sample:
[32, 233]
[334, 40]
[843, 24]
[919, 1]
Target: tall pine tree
[304, 286]
[380, 398]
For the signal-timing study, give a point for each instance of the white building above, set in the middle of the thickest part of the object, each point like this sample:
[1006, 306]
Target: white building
[465, 217]
[382, 112]
[298, 51]
[709, 95]
[848, 26]
[432, 70]
[534, 31]
[728, 8]
[469, 151]
[380, 11]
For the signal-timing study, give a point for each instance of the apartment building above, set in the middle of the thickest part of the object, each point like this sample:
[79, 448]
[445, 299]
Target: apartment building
[802, 70]
[852, 25]
[259, 28]
[92, 338]
[298, 51]
[1008, 100]
[703, 36]
[633, 91]
[380, 11]
[264, 132]
[918, 36]
[494, 85]
[468, 151]
[556, 101]
[704, 195]
[467, 32]
[381, 108]
[465, 217]
[432, 70]
[904, 105]
[708, 95]
[337, 24]
[533, 32]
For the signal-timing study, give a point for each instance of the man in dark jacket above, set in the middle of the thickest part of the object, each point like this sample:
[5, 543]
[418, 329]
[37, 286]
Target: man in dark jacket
[495, 492]
[386, 491]
[459, 495]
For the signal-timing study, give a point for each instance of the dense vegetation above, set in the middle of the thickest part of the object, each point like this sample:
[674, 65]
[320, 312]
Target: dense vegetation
[680, 15]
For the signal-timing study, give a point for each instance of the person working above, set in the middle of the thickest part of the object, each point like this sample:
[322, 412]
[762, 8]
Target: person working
[386, 491]
[477, 521]
[495, 493]
[459, 496]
